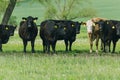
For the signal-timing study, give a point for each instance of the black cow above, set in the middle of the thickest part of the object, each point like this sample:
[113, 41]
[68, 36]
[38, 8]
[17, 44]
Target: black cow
[28, 31]
[50, 32]
[5, 32]
[71, 29]
[109, 31]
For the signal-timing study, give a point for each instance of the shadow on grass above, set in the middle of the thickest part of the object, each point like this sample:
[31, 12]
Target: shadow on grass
[59, 52]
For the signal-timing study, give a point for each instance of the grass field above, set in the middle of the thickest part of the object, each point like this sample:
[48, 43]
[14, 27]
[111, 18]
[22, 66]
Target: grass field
[78, 64]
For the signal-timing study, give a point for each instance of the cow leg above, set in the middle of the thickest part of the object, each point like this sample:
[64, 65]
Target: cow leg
[53, 46]
[25, 44]
[97, 41]
[102, 45]
[32, 45]
[44, 47]
[109, 46]
[66, 44]
[90, 41]
[114, 46]
[0, 46]
[48, 47]
[70, 49]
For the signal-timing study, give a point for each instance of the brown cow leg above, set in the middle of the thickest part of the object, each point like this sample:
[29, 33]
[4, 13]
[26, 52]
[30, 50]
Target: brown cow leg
[90, 41]
[91, 45]
[97, 40]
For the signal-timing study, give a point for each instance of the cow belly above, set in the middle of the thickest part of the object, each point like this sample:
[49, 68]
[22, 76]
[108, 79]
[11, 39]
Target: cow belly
[28, 36]
[60, 37]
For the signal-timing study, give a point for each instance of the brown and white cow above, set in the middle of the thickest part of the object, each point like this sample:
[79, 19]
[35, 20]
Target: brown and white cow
[93, 32]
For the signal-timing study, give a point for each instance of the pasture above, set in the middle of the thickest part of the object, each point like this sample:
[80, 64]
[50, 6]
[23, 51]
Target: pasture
[78, 64]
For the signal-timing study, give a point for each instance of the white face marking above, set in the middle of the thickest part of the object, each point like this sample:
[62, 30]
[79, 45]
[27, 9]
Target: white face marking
[89, 25]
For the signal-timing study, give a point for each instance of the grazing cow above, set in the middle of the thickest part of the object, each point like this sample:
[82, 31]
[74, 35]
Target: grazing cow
[50, 32]
[5, 32]
[93, 32]
[71, 29]
[110, 31]
[28, 31]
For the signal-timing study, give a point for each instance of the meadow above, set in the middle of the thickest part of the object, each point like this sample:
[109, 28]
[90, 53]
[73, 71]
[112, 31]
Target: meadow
[78, 64]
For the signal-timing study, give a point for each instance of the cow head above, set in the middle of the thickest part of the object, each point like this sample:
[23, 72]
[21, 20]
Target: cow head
[12, 29]
[100, 25]
[60, 28]
[30, 21]
[7, 30]
[77, 26]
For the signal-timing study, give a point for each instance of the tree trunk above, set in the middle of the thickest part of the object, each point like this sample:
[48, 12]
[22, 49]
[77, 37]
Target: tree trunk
[8, 11]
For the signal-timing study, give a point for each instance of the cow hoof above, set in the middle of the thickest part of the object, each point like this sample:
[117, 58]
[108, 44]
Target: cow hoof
[33, 51]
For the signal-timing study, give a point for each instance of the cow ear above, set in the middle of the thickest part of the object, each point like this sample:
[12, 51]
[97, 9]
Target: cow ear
[83, 23]
[35, 19]
[94, 24]
[24, 19]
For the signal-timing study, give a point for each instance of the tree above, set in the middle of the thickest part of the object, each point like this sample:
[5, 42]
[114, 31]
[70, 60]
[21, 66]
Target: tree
[8, 11]
[67, 9]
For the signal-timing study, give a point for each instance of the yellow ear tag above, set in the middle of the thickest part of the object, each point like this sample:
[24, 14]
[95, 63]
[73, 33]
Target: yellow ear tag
[107, 22]
[84, 24]
[23, 19]
[113, 27]
[6, 28]
[34, 21]
[93, 24]
[72, 25]
[55, 26]
[64, 28]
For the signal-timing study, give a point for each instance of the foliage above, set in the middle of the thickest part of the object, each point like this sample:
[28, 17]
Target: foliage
[3, 5]
[13, 20]
[67, 9]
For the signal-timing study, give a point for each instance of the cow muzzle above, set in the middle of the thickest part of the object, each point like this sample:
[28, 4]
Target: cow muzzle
[77, 32]
[11, 34]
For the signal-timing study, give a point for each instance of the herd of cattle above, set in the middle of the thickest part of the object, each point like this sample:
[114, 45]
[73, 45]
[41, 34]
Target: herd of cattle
[52, 30]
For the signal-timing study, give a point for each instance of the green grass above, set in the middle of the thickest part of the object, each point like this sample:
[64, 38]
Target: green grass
[59, 67]
[78, 64]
